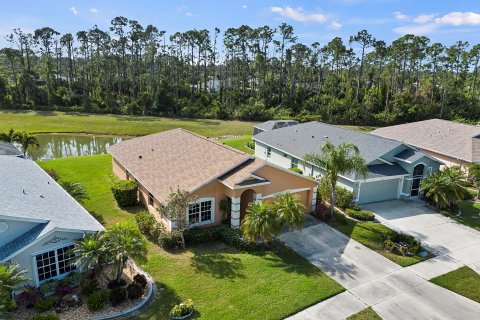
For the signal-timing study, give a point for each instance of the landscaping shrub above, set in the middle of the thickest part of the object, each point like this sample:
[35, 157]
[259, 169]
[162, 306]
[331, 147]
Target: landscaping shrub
[30, 296]
[96, 301]
[202, 235]
[117, 295]
[297, 170]
[141, 280]
[88, 286]
[125, 192]
[400, 243]
[63, 289]
[389, 245]
[134, 291]
[48, 288]
[344, 198]
[53, 174]
[182, 309]
[44, 305]
[169, 240]
[340, 217]
[363, 215]
[48, 316]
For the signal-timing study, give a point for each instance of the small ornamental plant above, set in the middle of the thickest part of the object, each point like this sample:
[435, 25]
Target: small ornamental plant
[182, 310]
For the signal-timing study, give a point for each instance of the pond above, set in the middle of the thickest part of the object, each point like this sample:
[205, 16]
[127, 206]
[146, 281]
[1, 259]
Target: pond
[70, 145]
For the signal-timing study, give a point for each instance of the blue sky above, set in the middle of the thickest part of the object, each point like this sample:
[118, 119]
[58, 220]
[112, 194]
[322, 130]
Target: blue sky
[443, 21]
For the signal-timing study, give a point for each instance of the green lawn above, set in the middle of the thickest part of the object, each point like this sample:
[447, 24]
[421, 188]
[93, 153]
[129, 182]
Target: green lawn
[365, 314]
[463, 281]
[239, 143]
[470, 214]
[224, 283]
[371, 235]
[49, 121]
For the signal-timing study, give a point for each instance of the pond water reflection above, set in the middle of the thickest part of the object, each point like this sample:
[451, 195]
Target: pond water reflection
[70, 145]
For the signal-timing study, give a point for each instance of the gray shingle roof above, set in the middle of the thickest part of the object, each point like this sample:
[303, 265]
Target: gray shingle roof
[273, 124]
[410, 155]
[385, 170]
[306, 138]
[8, 149]
[28, 193]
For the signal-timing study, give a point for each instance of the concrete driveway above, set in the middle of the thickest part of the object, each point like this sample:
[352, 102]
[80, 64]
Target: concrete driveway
[440, 234]
[394, 292]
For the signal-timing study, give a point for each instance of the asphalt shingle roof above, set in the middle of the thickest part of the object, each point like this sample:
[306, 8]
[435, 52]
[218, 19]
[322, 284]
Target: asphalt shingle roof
[8, 149]
[22, 241]
[175, 158]
[385, 170]
[28, 192]
[272, 124]
[410, 155]
[306, 138]
[457, 140]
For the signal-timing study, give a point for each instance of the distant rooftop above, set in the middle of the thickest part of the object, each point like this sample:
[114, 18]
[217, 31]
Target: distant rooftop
[457, 140]
[8, 149]
[275, 124]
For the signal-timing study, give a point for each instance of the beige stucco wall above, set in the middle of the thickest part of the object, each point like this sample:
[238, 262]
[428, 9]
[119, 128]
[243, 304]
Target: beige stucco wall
[449, 161]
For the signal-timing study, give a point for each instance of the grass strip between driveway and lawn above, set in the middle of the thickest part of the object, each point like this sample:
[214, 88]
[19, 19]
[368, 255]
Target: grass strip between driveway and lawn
[470, 214]
[464, 281]
[62, 122]
[365, 314]
[224, 283]
[372, 235]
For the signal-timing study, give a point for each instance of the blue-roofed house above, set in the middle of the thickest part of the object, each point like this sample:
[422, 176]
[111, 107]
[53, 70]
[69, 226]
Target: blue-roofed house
[395, 169]
[39, 221]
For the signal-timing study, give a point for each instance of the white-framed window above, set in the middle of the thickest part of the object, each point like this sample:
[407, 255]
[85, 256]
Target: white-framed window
[54, 263]
[269, 152]
[201, 212]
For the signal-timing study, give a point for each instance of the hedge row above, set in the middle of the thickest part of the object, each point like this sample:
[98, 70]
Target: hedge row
[363, 215]
[125, 192]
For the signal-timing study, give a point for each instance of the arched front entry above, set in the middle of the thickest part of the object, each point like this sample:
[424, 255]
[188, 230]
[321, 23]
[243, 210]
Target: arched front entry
[417, 179]
[247, 197]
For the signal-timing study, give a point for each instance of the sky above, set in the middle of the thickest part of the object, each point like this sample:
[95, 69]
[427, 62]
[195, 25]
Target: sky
[445, 21]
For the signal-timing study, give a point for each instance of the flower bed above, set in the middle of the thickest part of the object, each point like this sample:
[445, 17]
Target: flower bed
[86, 301]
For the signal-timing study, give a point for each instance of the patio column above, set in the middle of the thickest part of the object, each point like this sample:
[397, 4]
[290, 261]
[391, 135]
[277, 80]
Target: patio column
[314, 199]
[257, 198]
[235, 213]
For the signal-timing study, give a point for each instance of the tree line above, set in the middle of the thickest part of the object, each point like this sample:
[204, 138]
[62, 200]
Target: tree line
[244, 73]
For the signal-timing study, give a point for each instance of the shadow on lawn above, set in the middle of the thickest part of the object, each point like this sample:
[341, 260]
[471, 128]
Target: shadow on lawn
[290, 261]
[218, 264]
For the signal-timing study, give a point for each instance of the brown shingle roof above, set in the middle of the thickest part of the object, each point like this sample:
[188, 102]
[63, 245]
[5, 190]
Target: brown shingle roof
[175, 158]
[242, 172]
[457, 140]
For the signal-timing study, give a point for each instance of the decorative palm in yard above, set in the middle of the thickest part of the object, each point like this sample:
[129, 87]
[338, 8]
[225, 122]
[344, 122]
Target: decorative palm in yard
[26, 141]
[91, 251]
[11, 276]
[335, 160]
[444, 188]
[289, 210]
[474, 173]
[9, 137]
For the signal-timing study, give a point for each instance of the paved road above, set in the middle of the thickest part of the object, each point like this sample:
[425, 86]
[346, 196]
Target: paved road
[442, 235]
[371, 280]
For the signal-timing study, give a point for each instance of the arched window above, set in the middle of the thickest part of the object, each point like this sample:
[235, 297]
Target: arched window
[418, 170]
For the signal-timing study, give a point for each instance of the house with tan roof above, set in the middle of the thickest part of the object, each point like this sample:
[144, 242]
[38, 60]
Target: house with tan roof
[178, 159]
[453, 143]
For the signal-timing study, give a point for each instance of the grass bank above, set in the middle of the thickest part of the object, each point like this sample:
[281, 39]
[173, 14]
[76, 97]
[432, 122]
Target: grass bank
[365, 314]
[51, 121]
[463, 281]
[470, 214]
[224, 283]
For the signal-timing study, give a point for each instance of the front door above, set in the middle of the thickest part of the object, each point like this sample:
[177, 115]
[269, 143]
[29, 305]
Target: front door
[417, 179]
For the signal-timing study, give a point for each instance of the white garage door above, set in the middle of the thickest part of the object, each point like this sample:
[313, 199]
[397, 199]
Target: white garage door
[376, 191]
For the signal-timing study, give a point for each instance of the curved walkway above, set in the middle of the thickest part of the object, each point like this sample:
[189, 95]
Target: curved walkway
[372, 280]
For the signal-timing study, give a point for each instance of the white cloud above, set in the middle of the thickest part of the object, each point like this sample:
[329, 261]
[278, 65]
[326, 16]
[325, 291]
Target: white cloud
[416, 29]
[94, 10]
[189, 14]
[244, 6]
[335, 25]
[74, 10]
[298, 14]
[460, 18]
[424, 18]
[400, 16]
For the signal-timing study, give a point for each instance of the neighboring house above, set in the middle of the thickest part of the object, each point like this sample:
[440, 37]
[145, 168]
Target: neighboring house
[211, 171]
[8, 149]
[39, 221]
[453, 143]
[395, 170]
[272, 125]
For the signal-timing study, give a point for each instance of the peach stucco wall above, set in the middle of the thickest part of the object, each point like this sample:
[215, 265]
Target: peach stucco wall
[449, 161]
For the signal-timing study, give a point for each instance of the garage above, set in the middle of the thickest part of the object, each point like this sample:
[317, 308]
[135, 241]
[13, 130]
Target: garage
[375, 191]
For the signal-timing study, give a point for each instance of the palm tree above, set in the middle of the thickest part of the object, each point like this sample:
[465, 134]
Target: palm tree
[123, 241]
[444, 188]
[91, 251]
[11, 276]
[10, 136]
[335, 160]
[474, 173]
[76, 190]
[26, 140]
[289, 210]
[259, 222]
